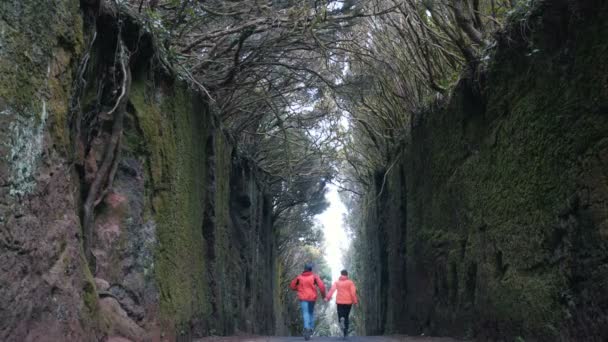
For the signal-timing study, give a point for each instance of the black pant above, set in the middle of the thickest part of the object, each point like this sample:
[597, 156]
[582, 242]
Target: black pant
[344, 311]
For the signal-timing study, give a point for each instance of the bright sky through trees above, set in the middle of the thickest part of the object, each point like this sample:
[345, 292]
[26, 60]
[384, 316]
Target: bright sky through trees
[336, 239]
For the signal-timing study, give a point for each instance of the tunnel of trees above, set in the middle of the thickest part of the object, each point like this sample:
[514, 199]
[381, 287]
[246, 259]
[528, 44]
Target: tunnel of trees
[162, 163]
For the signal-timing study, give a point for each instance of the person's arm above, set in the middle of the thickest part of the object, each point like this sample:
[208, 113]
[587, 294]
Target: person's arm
[320, 285]
[331, 292]
[294, 283]
[353, 293]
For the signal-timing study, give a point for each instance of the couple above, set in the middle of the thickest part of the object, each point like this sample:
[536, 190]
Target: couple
[306, 284]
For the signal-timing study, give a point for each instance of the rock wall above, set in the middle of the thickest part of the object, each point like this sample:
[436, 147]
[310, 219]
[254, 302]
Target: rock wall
[181, 240]
[45, 285]
[493, 221]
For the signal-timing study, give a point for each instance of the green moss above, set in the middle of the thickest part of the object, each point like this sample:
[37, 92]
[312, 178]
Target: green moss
[28, 42]
[90, 298]
[225, 264]
[156, 133]
[525, 304]
[59, 94]
[493, 184]
[174, 131]
[36, 74]
[89, 293]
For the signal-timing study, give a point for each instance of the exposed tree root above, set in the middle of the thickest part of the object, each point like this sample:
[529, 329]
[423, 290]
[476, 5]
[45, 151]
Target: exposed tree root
[105, 173]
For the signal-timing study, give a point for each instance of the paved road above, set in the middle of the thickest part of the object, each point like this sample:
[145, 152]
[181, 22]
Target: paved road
[329, 339]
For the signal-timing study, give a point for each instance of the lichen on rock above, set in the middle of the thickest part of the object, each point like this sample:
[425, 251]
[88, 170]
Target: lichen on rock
[25, 147]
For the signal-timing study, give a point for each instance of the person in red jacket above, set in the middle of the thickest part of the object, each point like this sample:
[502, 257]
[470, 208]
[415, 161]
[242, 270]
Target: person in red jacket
[306, 284]
[346, 297]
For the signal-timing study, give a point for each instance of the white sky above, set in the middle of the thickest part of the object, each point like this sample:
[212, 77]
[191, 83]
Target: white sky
[336, 239]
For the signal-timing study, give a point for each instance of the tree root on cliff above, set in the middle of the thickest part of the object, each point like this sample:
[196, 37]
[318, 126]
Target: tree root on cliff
[104, 175]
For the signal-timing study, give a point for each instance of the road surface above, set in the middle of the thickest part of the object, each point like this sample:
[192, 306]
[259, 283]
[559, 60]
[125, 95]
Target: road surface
[329, 339]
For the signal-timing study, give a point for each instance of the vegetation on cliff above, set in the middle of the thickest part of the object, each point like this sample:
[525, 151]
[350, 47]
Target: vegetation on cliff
[188, 145]
[473, 214]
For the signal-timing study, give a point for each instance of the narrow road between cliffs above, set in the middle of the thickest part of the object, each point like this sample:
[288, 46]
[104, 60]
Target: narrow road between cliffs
[329, 339]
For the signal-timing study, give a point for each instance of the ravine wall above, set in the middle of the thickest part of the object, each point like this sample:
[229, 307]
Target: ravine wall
[182, 243]
[492, 221]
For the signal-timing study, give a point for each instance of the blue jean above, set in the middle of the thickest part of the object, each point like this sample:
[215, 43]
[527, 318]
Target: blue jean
[308, 314]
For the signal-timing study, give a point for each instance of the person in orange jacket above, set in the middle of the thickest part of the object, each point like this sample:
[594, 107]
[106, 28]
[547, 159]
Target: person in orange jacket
[346, 297]
[306, 284]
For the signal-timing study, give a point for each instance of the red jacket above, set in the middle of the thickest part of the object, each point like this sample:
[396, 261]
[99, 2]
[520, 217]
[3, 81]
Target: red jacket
[347, 292]
[305, 285]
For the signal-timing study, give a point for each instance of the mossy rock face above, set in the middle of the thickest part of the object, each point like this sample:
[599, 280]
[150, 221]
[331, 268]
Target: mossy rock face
[37, 55]
[46, 284]
[496, 210]
[174, 247]
[172, 126]
[214, 256]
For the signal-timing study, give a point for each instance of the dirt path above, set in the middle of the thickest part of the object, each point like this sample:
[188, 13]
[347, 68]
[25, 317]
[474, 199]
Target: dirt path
[329, 339]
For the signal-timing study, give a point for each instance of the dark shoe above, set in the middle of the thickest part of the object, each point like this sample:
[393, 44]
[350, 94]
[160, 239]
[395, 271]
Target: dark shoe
[306, 334]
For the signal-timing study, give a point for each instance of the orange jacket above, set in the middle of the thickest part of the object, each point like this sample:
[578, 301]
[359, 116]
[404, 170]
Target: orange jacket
[347, 292]
[305, 285]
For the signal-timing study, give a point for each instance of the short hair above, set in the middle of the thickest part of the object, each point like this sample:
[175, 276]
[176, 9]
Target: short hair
[343, 272]
[308, 266]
